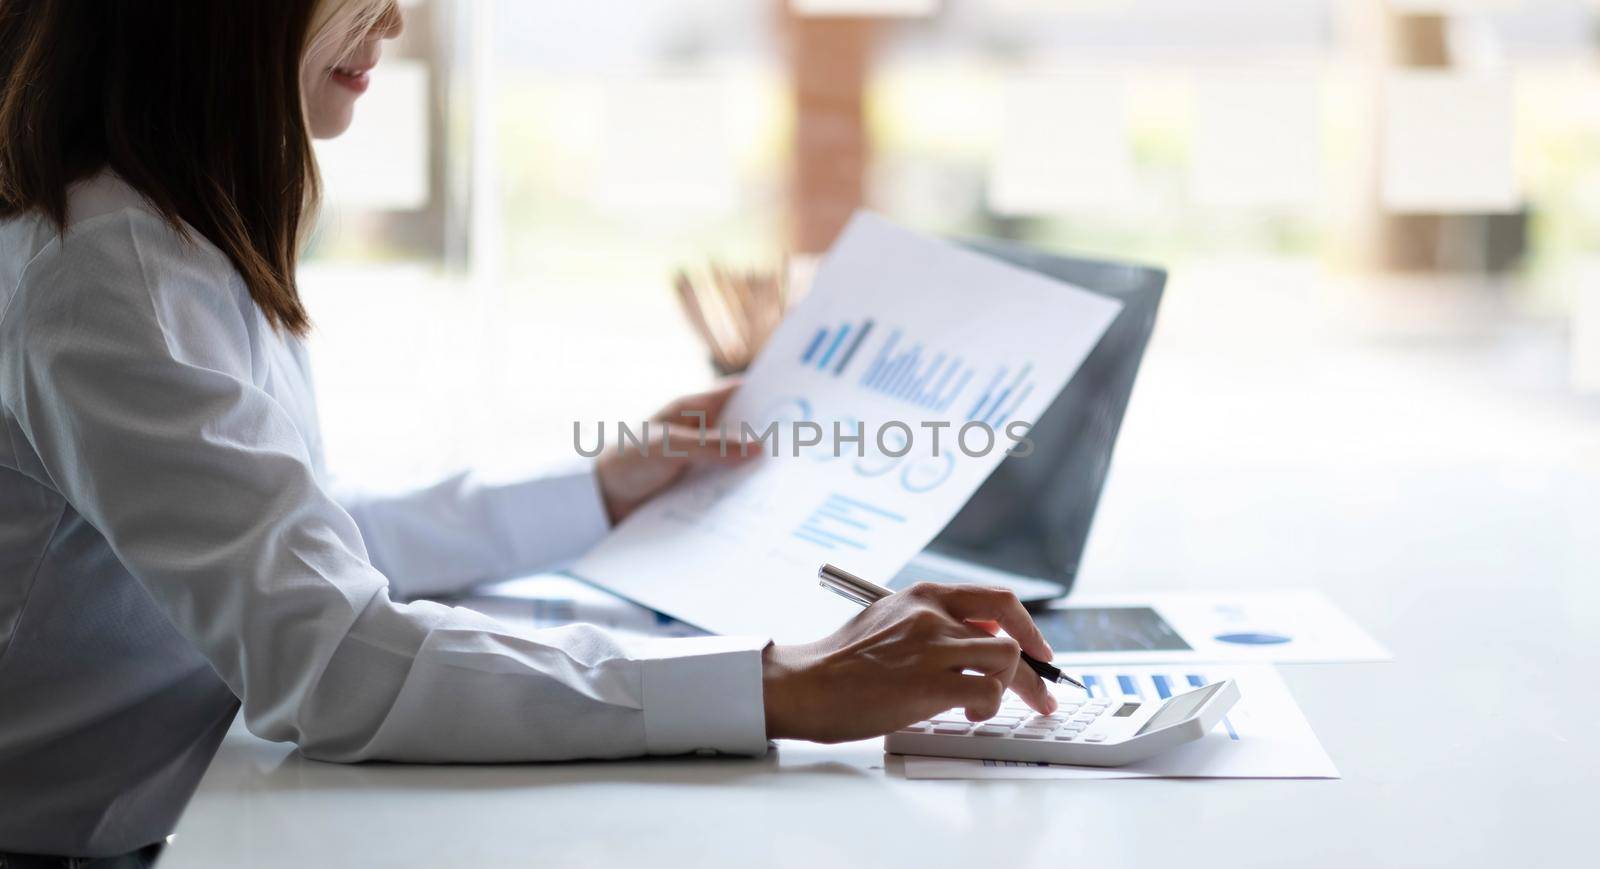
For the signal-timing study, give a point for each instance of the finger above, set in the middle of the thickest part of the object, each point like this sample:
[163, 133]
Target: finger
[978, 603]
[988, 626]
[710, 403]
[709, 446]
[1034, 691]
[991, 656]
[980, 696]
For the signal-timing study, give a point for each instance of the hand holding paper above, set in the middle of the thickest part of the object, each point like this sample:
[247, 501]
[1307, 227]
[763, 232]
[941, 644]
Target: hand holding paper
[888, 395]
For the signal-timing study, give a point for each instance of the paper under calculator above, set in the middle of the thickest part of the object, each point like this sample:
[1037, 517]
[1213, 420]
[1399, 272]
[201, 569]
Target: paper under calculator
[1085, 731]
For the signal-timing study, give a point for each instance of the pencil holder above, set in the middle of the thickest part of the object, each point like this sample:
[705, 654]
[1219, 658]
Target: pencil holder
[734, 312]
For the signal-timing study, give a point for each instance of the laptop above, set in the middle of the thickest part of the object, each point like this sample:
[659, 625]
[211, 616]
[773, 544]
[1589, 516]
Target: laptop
[1026, 527]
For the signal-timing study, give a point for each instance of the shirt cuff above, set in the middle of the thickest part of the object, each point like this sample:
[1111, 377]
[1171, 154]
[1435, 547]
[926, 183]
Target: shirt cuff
[703, 694]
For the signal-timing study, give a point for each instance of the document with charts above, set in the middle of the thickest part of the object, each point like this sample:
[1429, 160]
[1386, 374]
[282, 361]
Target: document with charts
[1279, 625]
[1264, 735]
[935, 355]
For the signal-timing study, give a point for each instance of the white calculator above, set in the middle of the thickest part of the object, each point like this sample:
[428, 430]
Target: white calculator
[1083, 732]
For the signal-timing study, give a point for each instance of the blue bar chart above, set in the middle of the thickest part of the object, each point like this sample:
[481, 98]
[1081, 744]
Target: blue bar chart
[1128, 686]
[845, 523]
[1163, 686]
[914, 374]
[1002, 396]
[908, 370]
[1093, 684]
[831, 349]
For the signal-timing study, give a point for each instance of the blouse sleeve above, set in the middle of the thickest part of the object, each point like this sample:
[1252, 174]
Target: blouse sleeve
[464, 530]
[128, 358]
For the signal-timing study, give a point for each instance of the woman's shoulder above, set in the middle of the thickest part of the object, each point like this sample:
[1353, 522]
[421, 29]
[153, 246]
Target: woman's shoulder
[108, 217]
[115, 241]
[117, 264]
[104, 195]
[106, 211]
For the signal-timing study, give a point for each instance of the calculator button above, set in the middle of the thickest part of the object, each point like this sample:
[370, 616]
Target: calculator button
[915, 728]
[1095, 737]
[1005, 720]
[952, 728]
[991, 730]
[1066, 736]
[1028, 734]
[1073, 727]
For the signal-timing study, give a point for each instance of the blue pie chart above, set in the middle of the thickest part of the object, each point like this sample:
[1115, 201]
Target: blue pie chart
[1253, 639]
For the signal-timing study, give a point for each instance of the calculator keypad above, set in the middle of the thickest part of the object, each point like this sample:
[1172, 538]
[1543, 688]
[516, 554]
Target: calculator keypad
[1069, 723]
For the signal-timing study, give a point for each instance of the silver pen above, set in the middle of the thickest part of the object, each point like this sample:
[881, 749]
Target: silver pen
[853, 588]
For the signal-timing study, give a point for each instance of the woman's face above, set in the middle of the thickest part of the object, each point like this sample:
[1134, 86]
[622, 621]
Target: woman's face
[336, 76]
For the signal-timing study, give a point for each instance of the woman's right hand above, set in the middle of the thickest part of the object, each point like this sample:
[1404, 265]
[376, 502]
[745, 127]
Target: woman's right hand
[902, 660]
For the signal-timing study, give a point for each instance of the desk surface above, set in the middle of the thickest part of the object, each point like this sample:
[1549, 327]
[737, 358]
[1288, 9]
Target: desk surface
[1464, 534]
[1474, 748]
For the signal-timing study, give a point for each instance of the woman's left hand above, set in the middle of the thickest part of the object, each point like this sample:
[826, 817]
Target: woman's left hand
[683, 434]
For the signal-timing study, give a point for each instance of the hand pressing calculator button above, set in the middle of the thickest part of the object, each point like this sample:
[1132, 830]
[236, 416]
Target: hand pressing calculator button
[1101, 733]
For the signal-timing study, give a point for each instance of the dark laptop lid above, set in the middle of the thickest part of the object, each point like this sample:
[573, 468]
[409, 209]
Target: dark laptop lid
[1032, 516]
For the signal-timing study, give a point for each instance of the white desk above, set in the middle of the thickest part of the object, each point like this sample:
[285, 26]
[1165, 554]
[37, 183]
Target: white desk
[1468, 751]
[1464, 534]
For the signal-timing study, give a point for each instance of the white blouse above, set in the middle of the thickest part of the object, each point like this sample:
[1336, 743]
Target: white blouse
[169, 550]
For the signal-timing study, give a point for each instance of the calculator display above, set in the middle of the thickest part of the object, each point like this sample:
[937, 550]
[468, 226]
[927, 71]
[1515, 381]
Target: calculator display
[1179, 708]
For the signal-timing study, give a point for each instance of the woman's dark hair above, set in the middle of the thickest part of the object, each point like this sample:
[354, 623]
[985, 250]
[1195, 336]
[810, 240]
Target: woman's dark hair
[196, 104]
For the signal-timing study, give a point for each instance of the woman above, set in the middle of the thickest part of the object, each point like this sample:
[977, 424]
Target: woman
[169, 551]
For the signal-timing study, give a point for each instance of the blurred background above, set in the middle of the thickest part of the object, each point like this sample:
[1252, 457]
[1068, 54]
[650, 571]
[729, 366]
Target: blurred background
[1381, 217]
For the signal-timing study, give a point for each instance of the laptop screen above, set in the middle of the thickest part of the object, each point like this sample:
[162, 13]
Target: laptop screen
[1032, 516]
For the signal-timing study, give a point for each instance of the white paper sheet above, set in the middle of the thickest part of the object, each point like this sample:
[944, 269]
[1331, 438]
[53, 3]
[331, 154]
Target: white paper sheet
[898, 329]
[1287, 626]
[1263, 736]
